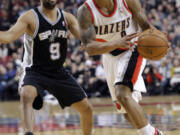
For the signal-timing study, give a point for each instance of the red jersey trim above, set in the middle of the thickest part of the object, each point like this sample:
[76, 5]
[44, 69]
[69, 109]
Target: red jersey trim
[115, 7]
[156, 132]
[118, 106]
[127, 7]
[92, 16]
[123, 49]
[100, 40]
[137, 69]
[132, 44]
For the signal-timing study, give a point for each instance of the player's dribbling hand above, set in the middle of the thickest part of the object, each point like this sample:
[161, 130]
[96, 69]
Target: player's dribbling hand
[126, 41]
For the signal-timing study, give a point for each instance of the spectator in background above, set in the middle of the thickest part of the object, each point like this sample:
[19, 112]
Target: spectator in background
[175, 79]
[10, 89]
[3, 51]
[100, 84]
[165, 71]
[3, 80]
[3, 54]
[11, 71]
[178, 4]
[153, 79]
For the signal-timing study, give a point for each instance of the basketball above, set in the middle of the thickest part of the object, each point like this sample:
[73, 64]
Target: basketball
[153, 44]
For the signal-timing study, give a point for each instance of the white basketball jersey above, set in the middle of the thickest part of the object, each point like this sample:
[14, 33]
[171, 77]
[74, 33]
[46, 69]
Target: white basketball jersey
[113, 26]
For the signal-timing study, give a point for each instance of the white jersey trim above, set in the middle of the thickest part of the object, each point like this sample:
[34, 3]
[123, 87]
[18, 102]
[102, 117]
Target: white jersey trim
[49, 21]
[37, 24]
[126, 6]
[65, 18]
[21, 80]
[90, 10]
[28, 51]
[103, 14]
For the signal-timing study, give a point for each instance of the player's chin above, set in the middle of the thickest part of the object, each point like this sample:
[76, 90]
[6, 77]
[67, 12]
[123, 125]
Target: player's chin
[50, 5]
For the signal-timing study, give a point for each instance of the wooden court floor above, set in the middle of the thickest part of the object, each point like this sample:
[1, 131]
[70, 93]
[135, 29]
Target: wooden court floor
[162, 112]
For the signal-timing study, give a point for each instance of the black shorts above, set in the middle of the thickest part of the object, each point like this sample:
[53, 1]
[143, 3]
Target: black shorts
[61, 84]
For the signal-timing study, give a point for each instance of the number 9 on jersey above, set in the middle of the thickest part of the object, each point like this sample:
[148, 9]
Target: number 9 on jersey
[55, 51]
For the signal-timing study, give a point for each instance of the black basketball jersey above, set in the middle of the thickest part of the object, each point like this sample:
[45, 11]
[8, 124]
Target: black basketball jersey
[47, 49]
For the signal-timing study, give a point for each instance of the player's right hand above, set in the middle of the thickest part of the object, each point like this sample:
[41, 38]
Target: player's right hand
[126, 41]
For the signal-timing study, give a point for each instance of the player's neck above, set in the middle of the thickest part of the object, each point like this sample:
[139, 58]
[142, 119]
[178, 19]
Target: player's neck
[51, 14]
[108, 4]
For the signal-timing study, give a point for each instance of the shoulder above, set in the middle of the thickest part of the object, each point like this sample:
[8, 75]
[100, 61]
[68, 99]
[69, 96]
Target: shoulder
[83, 10]
[129, 2]
[84, 14]
[27, 16]
[67, 15]
[70, 18]
[134, 5]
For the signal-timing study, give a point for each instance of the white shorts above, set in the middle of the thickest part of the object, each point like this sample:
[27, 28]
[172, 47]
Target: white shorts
[126, 69]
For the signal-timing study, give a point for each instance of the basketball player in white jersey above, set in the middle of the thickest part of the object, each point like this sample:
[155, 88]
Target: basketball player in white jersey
[45, 46]
[106, 27]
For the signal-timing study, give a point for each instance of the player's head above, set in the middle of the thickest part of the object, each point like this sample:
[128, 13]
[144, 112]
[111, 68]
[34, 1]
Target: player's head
[49, 4]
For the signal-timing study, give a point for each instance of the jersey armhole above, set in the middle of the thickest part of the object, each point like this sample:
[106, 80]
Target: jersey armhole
[125, 4]
[90, 10]
[37, 24]
[66, 24]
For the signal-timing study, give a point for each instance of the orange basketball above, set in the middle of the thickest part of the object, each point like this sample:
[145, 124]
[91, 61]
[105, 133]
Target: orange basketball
[153, 44]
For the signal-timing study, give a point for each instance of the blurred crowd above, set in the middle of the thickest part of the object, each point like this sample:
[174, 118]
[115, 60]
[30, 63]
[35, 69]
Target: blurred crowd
[161, 77]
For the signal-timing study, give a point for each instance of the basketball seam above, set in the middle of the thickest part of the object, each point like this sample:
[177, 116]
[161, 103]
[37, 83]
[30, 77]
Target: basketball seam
[143, 54]
[154, 36]
[160, 54]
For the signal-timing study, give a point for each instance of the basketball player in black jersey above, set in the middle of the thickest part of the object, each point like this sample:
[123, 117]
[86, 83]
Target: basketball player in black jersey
[45, 47]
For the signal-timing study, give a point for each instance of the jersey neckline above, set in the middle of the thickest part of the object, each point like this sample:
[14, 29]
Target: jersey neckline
[47, 19]
[106, 15]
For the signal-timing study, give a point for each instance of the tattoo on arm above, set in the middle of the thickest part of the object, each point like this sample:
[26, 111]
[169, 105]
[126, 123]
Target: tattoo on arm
[87, 30]
[88, 34]
[138, 14]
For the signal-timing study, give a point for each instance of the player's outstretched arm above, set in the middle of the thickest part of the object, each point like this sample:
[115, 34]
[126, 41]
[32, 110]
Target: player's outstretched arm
[15, 31]
[88, 35]
[138, 14]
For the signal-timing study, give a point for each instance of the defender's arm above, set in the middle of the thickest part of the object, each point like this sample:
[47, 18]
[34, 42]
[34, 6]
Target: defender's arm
[72, 24]
[138, 14]
[16, 31]
[88, 35]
